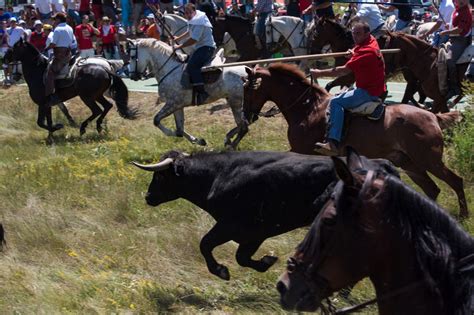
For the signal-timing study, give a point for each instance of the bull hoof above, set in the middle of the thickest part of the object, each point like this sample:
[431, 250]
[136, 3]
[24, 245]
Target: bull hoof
[201, 141]
[222, 272]
[269, 261]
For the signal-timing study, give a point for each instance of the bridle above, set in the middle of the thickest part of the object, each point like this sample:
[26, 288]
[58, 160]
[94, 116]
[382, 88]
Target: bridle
[285, 38]
[144, 76]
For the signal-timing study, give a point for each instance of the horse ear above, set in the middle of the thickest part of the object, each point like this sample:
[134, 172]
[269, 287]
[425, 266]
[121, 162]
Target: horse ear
[342, 171]
[354, 161]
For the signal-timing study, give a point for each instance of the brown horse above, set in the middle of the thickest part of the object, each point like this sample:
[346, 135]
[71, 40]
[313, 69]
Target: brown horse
[418, 258]
[420, 57]
[339, 38]
[408, 136]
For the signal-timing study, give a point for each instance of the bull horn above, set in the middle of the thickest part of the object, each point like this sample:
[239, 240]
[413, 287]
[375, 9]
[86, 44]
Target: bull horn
[163, 165]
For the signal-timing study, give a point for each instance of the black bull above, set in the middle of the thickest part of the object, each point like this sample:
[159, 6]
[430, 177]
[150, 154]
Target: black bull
[251, 195]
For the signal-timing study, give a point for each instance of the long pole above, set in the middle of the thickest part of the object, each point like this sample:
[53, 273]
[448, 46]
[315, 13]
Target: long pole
[385, 3]
[294, 58]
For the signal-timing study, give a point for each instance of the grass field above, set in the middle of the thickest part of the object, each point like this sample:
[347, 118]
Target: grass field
[82, 240]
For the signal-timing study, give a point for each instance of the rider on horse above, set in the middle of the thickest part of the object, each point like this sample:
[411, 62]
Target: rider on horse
[200, 32]
[368, 67]
[460, 38]
[63, 41]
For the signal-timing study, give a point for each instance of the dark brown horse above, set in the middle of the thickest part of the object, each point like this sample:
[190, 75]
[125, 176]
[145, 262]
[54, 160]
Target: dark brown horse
[420, 57]
[408, 136]
[339, 38]
[241, 31]
[418, 258]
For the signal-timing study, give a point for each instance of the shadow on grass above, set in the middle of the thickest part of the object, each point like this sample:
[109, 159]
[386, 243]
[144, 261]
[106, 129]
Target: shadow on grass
[91, 137]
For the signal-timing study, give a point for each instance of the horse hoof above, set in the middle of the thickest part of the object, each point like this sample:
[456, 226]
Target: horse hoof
[58, 127]
[222, 272]
[201, 141]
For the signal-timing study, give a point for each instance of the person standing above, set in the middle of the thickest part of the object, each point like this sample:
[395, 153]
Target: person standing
[97, 10]
[63, 41]
[14, 32]
[200, 35]
[84, 34]
[405, 13]
[137, 6]
[370, 13]
[368, 67]
[109, 39]
[153, 30]
[108, 8]
[38, 36]
[293, 7]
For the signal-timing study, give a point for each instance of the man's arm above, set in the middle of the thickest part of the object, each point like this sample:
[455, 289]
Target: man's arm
[178, 38]
[432, 30]
[334, 72]
[454, 31]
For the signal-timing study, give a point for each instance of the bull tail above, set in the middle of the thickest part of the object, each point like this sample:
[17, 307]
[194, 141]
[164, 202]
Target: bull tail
[119, 92]
[447, 120]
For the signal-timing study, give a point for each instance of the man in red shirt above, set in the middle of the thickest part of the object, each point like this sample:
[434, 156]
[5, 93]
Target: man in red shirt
[84, 33]
[38, 37]
[367, 65]
[460, 37]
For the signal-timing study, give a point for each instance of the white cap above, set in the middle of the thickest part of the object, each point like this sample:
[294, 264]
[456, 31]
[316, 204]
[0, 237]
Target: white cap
[21, 22]
[38, 22]
[13, 19]
[150, 16]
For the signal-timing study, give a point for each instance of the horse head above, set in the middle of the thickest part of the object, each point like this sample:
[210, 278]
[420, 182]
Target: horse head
[219, 29]
[21, 51]
[327, 32]
[254, 95]
[340, 247]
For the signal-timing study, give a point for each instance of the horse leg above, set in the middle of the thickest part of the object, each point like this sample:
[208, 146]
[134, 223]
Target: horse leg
[410, 89]
[167, 110]
[96, 111]
[218, 235]
[455, 182]
[244, 257]
[107, 106]
[241, 129]
[65, 111]
[440, 105]
[179, 120]
[421, 178]
[345, 80]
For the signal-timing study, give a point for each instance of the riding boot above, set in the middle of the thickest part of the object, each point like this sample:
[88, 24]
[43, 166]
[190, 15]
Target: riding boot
[453, 82]
[202, 95]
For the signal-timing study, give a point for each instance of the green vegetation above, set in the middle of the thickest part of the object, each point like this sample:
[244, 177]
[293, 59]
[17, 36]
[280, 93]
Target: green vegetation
[82, 240]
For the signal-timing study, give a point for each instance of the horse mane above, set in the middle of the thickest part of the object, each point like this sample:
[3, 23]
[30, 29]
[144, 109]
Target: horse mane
[438, 240]
[156, 44]
[419, 43]
[293, 71]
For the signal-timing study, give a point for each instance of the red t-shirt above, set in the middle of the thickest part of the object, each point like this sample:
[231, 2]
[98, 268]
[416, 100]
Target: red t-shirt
[84, 36]
[304, 4]
[84, 6]
[368, 67]
[38, 40]
[462, 18]
[109, 38]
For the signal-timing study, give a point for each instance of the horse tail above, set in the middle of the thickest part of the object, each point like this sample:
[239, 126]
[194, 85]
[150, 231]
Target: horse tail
[448, 120]
[119, 92]
[2, 236]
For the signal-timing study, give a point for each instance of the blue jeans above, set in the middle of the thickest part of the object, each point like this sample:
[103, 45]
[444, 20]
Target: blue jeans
[260, 27]
[401, 25]
[348, 100]
[198, 59]
[438, 40]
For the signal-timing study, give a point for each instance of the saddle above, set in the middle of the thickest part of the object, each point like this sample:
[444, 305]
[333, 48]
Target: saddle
[210, 76]
[67, 75]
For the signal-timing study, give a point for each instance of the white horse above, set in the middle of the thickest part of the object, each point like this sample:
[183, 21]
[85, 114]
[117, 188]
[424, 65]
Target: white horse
[177, 25]
[168, 71]
[288, 30]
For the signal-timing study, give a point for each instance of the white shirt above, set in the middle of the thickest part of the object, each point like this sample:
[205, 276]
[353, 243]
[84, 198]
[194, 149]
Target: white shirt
[63, 36]
[446, 8]
[44, 6]
[14, 35]
[71, 4]
[49, 40]
[370, 13]
[58, 5]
